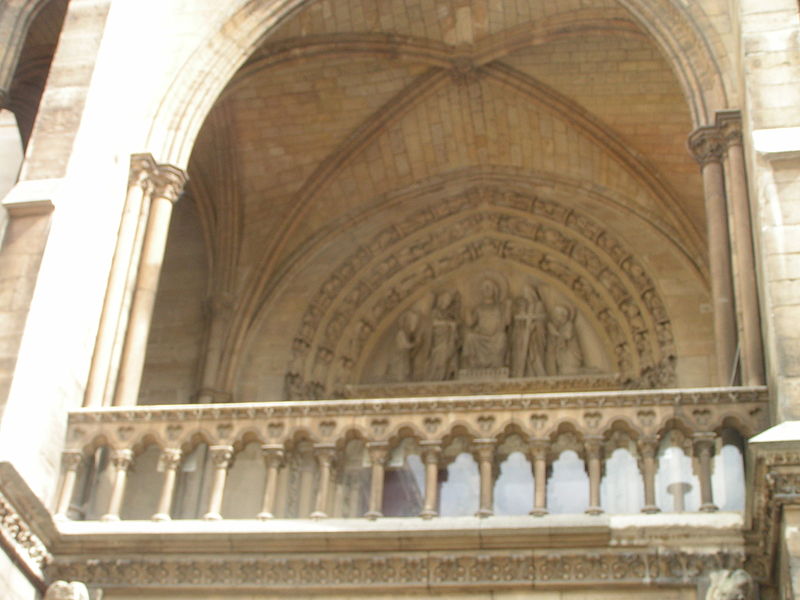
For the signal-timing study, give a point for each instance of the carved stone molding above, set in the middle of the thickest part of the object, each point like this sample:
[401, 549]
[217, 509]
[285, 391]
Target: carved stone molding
[351, 308]
[17, 536]
[601, 567]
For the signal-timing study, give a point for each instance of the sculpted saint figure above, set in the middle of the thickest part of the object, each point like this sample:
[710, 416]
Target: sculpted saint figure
[528, 335]
[564, 354]
[485, 340]
[442, 364]
[409, 339]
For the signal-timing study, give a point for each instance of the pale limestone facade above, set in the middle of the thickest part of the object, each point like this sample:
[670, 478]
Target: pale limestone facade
[381, 298]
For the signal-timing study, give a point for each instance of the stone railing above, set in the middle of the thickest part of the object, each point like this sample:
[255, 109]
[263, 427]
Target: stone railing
[305, 445]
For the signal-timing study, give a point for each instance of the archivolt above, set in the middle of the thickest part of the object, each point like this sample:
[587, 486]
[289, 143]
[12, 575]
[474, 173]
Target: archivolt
[369, 288]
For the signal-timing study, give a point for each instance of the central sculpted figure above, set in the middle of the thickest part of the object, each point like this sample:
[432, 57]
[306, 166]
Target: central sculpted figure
[485, 340]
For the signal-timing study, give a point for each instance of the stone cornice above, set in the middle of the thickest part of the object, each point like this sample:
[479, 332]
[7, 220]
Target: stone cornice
[386, 406]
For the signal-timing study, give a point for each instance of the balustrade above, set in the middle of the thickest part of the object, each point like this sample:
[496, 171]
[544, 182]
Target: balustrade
[353, 458]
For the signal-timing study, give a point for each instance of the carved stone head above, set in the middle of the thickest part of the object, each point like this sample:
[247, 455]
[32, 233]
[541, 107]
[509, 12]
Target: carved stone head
[730, 585]
[67, 590]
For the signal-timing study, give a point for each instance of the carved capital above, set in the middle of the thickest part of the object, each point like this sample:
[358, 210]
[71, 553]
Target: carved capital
[168, 182]
[325, 454]
[431, 452]
[594, 446]
[703, 443]
[539, 449]
[273, 455]
[221, 456]
[122, 459]
[706, 145]
[378, 452]
[648, 446]
[158, 181]
[71, 459]
[484, 449]
[729, 123]
[169, 459]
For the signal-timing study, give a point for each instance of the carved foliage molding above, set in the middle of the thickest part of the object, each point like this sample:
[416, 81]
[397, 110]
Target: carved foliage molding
[16, 534]
[413, 571]
[367, 290]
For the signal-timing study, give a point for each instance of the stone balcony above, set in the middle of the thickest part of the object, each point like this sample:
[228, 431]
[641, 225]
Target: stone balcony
[454, 456]
[414, 494]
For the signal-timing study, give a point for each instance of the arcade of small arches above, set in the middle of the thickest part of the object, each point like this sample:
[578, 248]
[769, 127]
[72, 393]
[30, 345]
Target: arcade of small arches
[632, 452]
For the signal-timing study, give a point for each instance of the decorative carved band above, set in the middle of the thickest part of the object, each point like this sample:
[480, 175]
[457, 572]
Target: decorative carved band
[18, 537]
[417, 571]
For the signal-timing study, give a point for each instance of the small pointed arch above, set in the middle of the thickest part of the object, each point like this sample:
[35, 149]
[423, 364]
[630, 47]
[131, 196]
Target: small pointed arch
[513, 486]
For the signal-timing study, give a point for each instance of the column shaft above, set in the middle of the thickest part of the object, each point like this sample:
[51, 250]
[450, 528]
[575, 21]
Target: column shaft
[593, 451]
[273, 457]
[485, 452]
[751, 347]
[72, 460]
[325, 456]
[121, 460]
[378, 452]
[704, 446]
[539, 454]
[430, 457]
[221, 457]
[170, 460]
[168, 183]
[647, 449]
[706, 144]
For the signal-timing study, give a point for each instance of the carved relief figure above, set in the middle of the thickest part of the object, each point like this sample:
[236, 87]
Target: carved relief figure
[528, 334]
[443, 360]
[408, 342]
[564, 354]
[485, 340]
[730, 585]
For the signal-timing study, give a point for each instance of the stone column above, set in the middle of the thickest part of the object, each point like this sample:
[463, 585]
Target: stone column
[169, 461]
[167, 184]
[431, 452]
[751, 347]
[378, 453]
[221, 458]
[121, 460]
[273, 458]
[72, 460]
[647, 449]
[485, 451]
[593, 459]
[121, 283]
[706, 144]
[325, 454]
[539, 458]
[704, 449]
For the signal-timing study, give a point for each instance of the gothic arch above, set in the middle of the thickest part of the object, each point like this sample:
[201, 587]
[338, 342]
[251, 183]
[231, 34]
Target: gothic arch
[485, 225]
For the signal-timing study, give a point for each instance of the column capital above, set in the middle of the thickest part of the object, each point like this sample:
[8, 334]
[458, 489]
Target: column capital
[706, 145]
[539, 447]
[431, 451]
[484, 448]
[170, 458]
[158, 180]
[729, 124]
[378, 452]
[703, 441]
[325, 453]
[273, 454]
[221, 455]
[122, 459]
[593, 445]
[71, 459]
